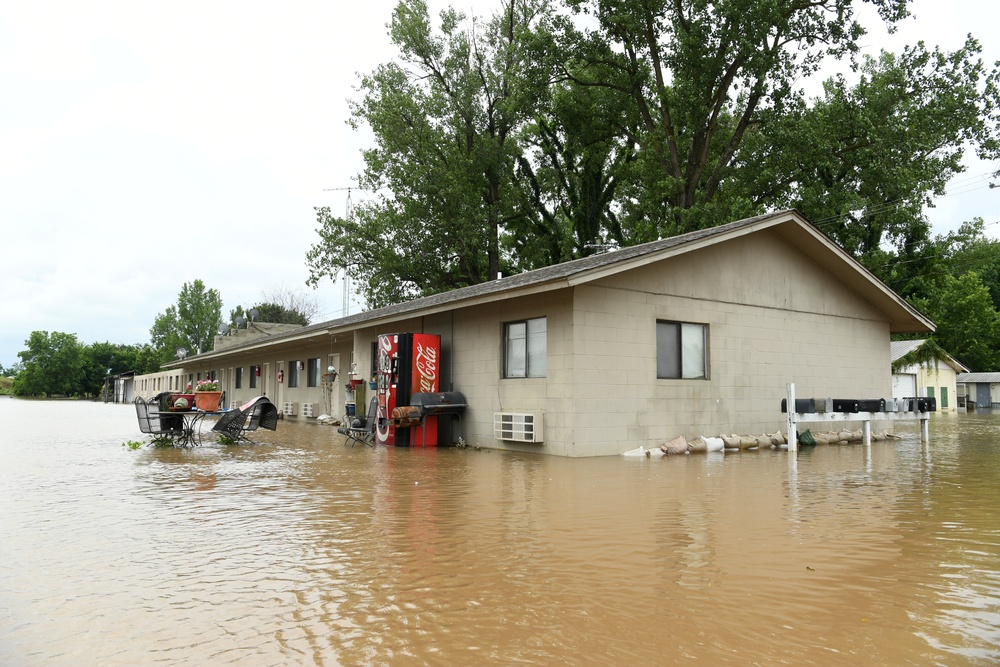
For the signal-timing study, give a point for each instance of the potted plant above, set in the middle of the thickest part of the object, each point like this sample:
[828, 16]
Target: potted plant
[207, 394]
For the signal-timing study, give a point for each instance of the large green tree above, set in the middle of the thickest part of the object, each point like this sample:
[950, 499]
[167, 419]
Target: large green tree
[968, 323]
[104, 359]
[863, 159]
[727, 130]
[541, 136]
[52, 364]
[446, 119]
[191, 324]
[955, 279]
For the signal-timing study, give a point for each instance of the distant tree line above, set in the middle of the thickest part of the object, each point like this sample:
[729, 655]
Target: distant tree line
[57, 364]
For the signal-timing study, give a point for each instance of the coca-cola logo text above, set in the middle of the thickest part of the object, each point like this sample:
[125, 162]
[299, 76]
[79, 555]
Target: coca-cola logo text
[426, 364]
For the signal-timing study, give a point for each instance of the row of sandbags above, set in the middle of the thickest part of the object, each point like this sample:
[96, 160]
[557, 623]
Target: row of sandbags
[681, 445]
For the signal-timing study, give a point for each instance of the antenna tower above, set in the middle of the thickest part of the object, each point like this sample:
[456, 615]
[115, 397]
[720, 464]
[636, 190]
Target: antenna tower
[348, 215]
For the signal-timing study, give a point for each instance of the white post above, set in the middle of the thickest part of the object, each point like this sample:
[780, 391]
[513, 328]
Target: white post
[793, 444]
[866, 432]
[925, 429]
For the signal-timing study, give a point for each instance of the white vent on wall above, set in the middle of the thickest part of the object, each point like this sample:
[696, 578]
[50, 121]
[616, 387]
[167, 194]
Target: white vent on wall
[307, 410]
[518, 426]
[233, 405]
[288, 409]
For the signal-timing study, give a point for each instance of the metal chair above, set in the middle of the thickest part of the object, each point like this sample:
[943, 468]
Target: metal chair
[155, 423]
[258, 413]
[363, 429]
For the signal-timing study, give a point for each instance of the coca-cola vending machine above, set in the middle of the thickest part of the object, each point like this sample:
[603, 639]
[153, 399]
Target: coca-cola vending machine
[407, 363]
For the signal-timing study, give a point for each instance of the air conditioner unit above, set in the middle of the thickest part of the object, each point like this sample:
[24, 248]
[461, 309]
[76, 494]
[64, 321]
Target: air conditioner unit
[307, 410]
[233, 405]
[518, 426]
[288, 409]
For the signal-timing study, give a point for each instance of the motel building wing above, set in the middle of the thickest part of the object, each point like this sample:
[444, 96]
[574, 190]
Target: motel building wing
[698, 334]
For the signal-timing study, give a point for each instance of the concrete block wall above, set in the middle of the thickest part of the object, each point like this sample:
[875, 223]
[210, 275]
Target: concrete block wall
[773, 317]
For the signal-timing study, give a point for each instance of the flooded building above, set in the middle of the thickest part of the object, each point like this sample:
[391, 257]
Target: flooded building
[926, 372]
[979, 391]
[694, 334]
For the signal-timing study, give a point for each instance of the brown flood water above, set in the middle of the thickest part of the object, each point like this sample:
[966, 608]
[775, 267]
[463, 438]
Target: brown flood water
[299, 550]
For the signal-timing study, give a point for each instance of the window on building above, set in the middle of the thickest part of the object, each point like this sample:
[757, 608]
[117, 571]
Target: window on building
[214, 376]
[239, 377]
[293, 374]
[525, 349]
[312, 372]
[681, 350]
[253, 377]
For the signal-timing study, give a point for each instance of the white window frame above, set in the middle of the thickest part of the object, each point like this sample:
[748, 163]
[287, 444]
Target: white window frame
[687, 345]
[525, 348]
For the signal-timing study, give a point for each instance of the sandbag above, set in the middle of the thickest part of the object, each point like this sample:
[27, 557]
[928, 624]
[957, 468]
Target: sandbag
[639, 451]
[678, 445]
[713, 444]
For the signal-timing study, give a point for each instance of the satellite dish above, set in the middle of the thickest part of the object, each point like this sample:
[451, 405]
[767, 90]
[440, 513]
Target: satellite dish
[223, 329]
[254, 314]
[181, 352]
[240, 321]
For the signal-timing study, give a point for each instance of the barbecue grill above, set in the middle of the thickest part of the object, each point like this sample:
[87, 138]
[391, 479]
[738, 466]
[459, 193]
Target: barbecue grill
[430, 404]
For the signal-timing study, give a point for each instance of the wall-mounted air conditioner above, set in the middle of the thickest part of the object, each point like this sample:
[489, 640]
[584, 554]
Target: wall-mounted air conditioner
[518, 426]
[288, 409]
[233, 405]
[307, 409]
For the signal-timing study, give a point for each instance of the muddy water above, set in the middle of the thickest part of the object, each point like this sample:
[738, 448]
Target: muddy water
[299, 550]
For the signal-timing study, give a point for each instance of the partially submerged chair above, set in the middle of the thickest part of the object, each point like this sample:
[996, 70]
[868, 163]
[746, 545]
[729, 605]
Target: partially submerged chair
[155, 423]
[363, 429]
[257, 413]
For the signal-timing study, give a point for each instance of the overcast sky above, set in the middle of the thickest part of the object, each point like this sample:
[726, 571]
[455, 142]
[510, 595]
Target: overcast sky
[146, 144]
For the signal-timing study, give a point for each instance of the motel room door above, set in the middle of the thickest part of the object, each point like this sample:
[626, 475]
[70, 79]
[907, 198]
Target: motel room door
[983, 395]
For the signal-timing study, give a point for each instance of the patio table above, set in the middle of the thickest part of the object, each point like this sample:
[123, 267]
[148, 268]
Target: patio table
[190, 433]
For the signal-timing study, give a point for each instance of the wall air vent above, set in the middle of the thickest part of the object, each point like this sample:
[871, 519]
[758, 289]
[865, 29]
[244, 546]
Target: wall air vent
[518, 426]
[288, 409]
[307, 410]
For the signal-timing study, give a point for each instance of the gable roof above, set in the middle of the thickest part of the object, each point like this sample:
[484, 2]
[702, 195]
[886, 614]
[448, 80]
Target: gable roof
[789, 225]
[900, 348]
